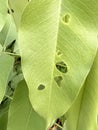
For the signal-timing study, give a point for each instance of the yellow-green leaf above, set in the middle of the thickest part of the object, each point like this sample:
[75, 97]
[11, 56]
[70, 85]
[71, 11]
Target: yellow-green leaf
[16, 8]
[3, 12]
[6, 64]
[58, 43]
[21, 114]
[83, 113]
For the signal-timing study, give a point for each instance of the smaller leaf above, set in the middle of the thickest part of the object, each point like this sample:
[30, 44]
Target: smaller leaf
[3, 13]
[8, 33]
[21, 114]
[4, 106]
[83, 113]
[6, 64]
[16, 9]
[3, 121]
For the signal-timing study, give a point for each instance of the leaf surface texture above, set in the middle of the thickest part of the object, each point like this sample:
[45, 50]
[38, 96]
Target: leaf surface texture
[58, 43]
[21, 114]
[83, 113]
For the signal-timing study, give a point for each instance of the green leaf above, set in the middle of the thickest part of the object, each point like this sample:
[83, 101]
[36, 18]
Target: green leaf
[16, 8]
[4, 106]
[6, 64]
[3, 13]
[1, 48]
[3, 121]
[83, 113]
[8, 33]
[21, 114]
[4, 31]
[58, 43]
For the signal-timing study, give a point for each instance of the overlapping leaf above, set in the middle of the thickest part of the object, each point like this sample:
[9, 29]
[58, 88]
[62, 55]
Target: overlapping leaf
[83, 113]
[4, 106]
[3, 121]
[16, 8]
[58, 43]
[8, 33]
[6, 63]
[3, 13]
[21, 114]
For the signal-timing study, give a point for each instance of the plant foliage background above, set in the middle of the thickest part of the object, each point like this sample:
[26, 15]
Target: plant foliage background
[48, 65]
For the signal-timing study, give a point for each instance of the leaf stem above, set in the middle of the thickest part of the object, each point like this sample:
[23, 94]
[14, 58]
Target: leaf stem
[12, 54]
[58, 125]
[9, 97]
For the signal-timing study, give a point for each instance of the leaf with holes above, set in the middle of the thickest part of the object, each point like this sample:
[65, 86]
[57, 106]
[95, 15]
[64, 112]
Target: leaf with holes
[16, 8]
[83, 113]
[58, 43]
[21, 114]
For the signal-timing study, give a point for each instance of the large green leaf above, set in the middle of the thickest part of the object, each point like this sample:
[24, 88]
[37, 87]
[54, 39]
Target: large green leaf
[6, 64]
[21, 114]
[58, 42]
[3, 13]
[83, 113]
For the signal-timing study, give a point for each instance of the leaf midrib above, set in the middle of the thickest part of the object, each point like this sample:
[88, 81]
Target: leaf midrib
[52, 75]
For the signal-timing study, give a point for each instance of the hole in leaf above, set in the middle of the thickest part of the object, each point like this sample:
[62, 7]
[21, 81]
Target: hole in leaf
[61, 66]
[12, 10]
[58, 80]
[66, 18]
[9, 11]
[41, 87]
[58, 52]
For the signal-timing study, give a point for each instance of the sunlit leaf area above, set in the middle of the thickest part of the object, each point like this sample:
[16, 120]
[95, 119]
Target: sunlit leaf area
[48, 64]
